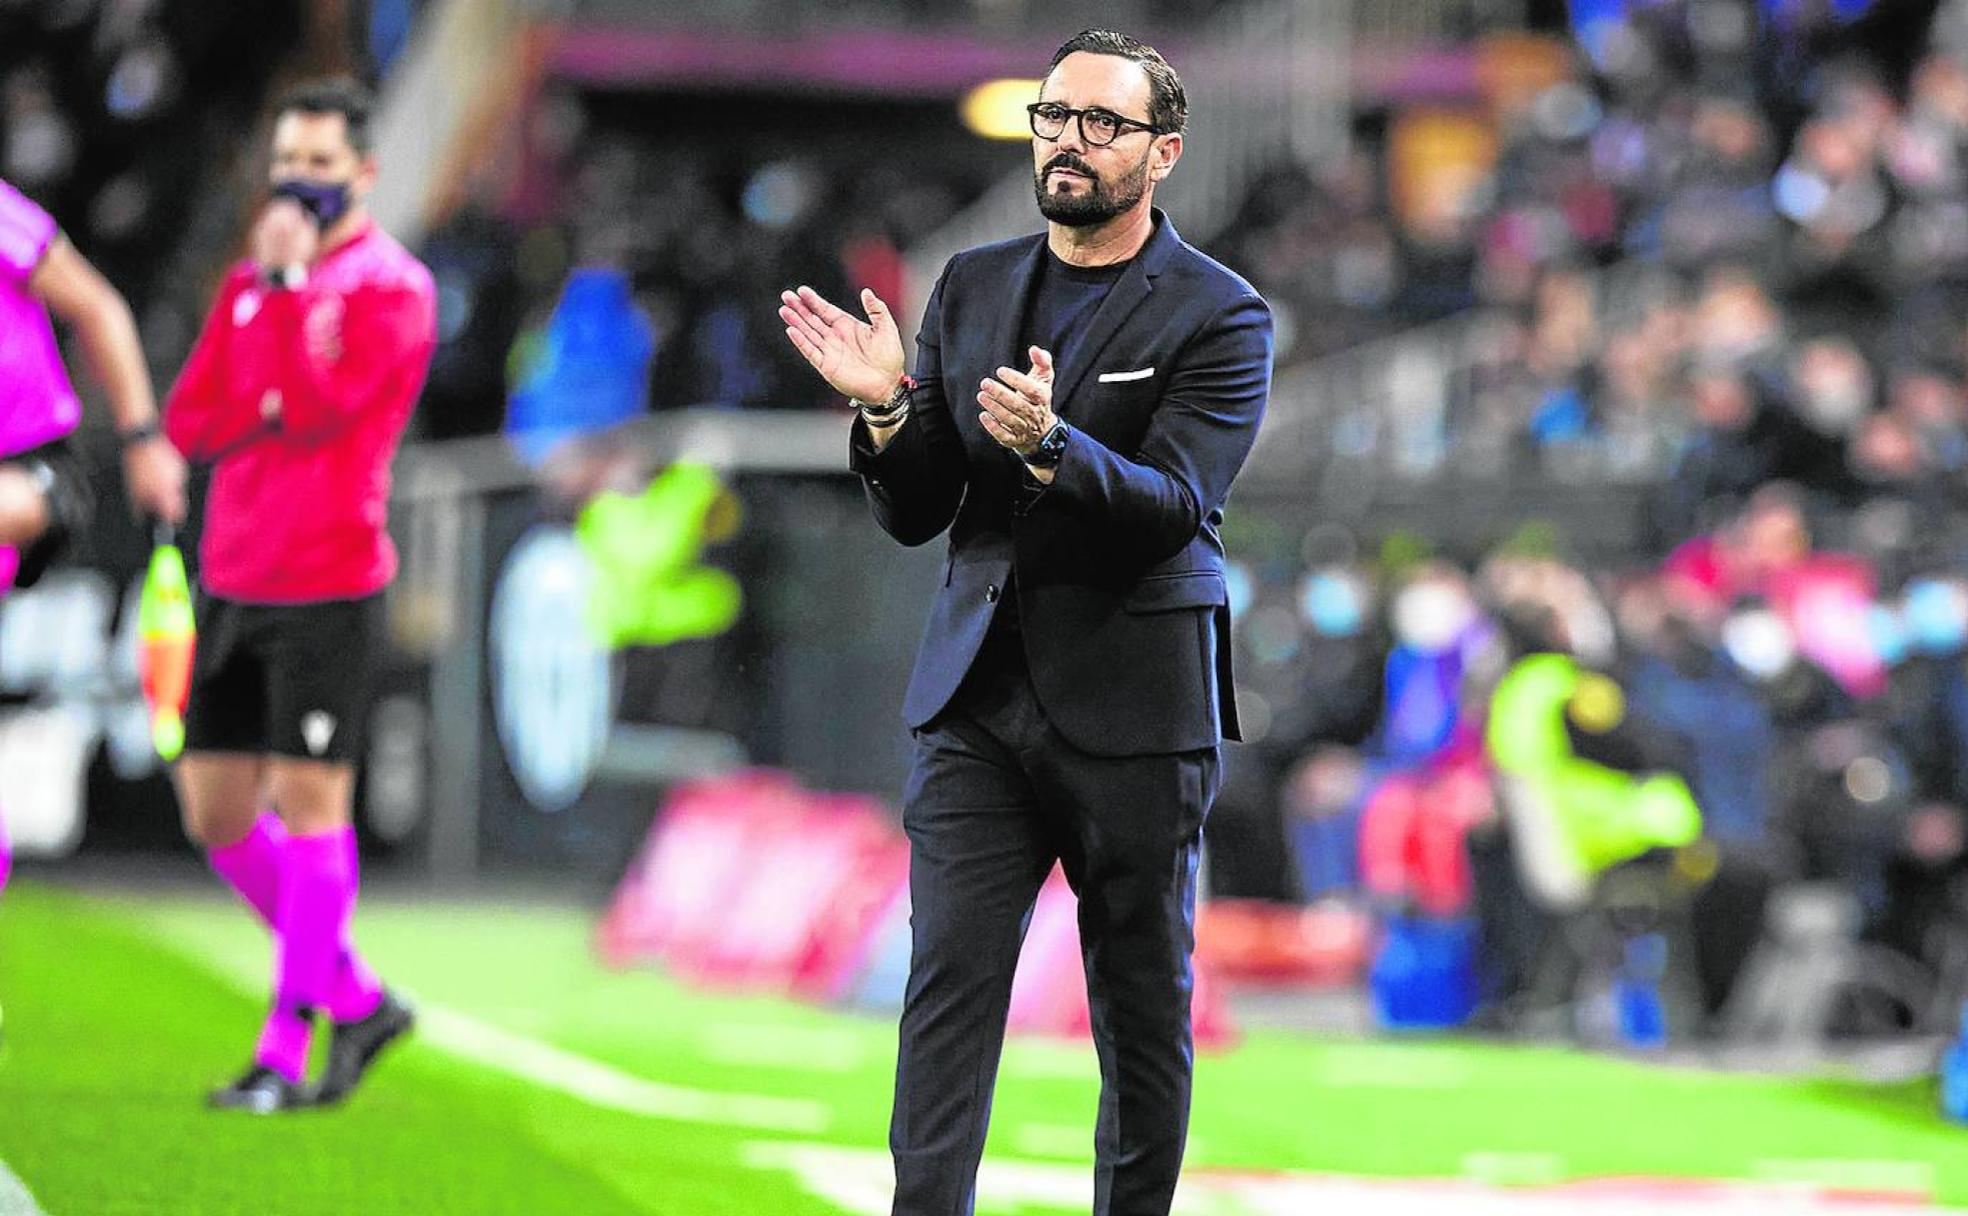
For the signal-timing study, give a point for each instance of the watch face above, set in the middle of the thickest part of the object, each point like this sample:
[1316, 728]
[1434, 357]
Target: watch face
[1052, 447]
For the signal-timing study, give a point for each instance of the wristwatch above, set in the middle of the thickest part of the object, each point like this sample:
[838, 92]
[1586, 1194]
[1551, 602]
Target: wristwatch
[146, 430]
[1051, 448]
[286, 278]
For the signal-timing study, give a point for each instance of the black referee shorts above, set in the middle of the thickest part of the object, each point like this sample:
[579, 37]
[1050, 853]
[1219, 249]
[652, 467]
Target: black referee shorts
[287, 679]
[57, 471]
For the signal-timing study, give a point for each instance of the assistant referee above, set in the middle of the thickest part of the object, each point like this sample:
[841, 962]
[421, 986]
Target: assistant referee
[297, 393]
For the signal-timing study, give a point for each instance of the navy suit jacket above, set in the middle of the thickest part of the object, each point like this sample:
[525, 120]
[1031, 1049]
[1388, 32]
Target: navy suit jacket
[1119, 565]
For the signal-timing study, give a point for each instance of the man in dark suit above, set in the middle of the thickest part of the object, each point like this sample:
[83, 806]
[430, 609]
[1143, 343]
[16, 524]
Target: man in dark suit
[1073, 685]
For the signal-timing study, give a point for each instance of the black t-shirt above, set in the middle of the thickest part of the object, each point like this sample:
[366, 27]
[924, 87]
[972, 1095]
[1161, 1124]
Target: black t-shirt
[1064, 300]
[1061, 310]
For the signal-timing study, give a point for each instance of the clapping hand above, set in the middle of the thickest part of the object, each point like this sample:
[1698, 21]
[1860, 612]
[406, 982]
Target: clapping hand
[1018, 405]
[862, 360]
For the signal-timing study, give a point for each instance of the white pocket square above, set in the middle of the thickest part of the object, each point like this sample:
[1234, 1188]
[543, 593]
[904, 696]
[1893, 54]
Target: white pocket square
[1121, 377]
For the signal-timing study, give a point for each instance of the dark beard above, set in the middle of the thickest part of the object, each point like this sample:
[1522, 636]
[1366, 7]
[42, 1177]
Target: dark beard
[1097, 205]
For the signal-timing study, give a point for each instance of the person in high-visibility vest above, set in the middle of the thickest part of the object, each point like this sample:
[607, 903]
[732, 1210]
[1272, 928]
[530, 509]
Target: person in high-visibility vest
[651, 589]
[1599, 815]
[1583, 791]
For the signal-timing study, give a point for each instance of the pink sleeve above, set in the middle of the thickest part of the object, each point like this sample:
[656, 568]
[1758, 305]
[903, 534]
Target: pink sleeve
[201, 419]
[26, 231]
[386, 340]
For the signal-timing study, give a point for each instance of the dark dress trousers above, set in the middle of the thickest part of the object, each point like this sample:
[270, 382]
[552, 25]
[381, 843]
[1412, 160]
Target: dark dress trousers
[1085, 731]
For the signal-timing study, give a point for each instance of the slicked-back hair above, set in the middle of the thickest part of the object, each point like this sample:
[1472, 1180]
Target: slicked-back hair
[1168, 105]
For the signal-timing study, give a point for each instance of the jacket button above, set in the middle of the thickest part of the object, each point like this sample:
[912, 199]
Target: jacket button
[991, 594]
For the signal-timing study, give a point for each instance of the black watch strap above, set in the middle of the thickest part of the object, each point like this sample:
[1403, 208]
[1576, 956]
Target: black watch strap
[147, 429]
[1051, 448]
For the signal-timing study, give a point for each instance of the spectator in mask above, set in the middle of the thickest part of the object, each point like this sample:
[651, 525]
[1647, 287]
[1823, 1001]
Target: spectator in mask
[1682, 683]
[1840, 784]
[1438, 631]
[1925, 711]
[1320, 730]
[1926, 702]
[1309, 652]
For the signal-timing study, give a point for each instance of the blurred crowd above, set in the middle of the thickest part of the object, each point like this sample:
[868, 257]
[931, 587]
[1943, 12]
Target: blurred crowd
[122, 118]
[1728, 235]
[1721, 260]
[1755, 721]
[703, 209]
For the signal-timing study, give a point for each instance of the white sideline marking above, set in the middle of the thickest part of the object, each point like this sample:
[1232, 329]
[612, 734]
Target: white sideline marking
[604, 1085]
[556, 1068]
[803, 1050]
[1075, 1143]
[1903, 1177]
[859, 1182]
[1052, 1140]
[1514, 1169]
[15, 1199]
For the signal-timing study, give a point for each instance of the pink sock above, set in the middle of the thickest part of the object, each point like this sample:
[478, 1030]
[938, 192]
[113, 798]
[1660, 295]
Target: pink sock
[355, 991]
[283, 1044]
[6, 856]
[315, 897]
[252, 866]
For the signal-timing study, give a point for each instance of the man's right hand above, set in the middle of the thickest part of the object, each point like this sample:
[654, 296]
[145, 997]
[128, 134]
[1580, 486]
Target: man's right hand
[283, 236]
[155, 475]
[860, 359]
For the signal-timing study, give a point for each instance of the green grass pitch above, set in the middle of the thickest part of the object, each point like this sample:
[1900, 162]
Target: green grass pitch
[543, 1083]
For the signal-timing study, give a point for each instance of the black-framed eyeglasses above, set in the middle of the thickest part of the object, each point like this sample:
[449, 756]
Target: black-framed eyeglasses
[1098, 126]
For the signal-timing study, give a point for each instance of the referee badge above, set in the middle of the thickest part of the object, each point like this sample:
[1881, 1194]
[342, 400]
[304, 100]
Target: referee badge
[318, 730]
[245, 306]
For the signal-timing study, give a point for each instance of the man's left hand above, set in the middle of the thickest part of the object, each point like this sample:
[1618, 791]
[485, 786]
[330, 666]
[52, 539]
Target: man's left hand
[155, 475]
[1018, 405]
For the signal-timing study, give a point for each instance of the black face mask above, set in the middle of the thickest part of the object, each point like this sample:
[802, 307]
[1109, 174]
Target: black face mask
[325, 202]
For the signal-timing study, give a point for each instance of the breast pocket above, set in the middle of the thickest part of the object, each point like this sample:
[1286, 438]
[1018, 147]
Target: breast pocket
[1118, 415]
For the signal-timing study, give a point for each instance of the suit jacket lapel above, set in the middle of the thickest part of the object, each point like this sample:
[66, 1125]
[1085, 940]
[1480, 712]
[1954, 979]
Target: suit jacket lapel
[1004, 347]
[1135, 285]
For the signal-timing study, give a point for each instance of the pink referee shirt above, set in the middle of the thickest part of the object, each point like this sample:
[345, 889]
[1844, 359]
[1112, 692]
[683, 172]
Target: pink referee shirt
[37, 403]
[298, 509]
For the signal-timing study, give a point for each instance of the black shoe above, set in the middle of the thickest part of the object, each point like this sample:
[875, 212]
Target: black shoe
[261, 1091]
[355, 1045]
